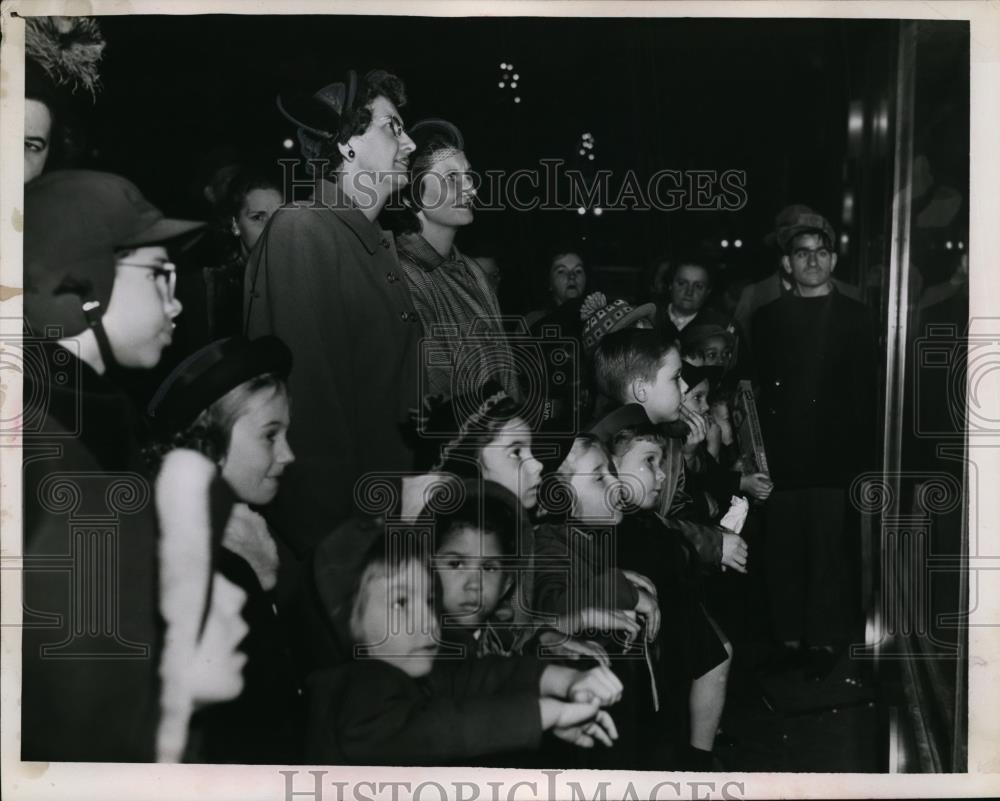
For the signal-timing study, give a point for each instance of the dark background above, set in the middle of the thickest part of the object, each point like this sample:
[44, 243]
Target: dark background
[768, 97]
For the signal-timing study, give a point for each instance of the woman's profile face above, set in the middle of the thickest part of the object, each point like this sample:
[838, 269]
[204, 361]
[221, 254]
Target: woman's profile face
[258, 448]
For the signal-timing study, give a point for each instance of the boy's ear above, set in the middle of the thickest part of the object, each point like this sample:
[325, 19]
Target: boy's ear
[833, 260]
[786, 264]
[637, 390]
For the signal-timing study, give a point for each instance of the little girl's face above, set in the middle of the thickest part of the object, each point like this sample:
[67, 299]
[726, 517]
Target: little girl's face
[696, 398]
[640, 474]
[597, 492]
[473, 581]
[395, 620]
[508, 461]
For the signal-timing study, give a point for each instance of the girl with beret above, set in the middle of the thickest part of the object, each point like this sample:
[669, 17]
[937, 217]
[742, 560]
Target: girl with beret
[229, 402]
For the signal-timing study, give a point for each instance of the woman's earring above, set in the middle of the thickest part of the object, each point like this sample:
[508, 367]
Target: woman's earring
[234, 229]
[350, 153]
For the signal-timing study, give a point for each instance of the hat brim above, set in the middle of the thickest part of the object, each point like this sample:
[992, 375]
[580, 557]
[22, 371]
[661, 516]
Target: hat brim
[631, 414]
[163, 230]
[210, 373]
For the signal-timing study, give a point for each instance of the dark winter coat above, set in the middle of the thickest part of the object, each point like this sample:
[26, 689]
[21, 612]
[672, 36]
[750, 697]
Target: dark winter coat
[326, 280]
[572, 571]
[90, 684]
[816, 369]
[372, 713]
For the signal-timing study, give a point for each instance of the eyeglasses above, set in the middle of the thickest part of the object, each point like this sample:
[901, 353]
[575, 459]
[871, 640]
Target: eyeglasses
[803, 254]
[166, 271]
[396, 126]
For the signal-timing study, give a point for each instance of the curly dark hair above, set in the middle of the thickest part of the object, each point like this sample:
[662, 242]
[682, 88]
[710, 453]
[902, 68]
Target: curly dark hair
[356, 120]
[461, 455]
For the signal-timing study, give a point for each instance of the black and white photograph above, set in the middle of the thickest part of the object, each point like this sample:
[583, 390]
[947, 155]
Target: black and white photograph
[499, 400]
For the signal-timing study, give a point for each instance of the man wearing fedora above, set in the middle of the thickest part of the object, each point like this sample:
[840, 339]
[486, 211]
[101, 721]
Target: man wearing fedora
[324, 277]
[815, 364]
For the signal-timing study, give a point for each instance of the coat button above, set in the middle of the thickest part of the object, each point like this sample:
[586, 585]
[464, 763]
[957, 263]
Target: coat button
[385, 243]
[391, 278]
[404, 316]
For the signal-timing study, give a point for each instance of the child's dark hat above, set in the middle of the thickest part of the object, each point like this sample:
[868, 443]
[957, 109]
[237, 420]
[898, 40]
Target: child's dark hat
[627, 416]
[338, 562]
[209, 373]
[694, 336]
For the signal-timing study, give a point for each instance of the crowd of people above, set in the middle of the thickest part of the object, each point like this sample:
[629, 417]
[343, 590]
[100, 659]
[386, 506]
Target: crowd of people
[368, 519]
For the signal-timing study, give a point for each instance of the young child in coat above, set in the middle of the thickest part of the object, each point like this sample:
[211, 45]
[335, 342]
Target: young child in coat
[578, 582]
[696, 671]
[482, 445]
[639, 367]
[395, 703]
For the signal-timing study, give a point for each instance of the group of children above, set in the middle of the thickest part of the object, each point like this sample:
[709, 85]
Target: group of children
[505, 609]
[524, 598]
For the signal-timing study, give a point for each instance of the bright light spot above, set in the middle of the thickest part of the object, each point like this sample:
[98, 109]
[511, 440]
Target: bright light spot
[591, 156]
[581, 211]
[961, 246]
[503, 65]
[583, 152]
[598, 211]
[947, 245]
[738, 243]
[517, 77]
[517, 100]
[724, 243]
[513, 84]
[288, 144]
[501, 84]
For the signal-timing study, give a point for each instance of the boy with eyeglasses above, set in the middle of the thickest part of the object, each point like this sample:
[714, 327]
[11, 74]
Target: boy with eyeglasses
[815, 364]
[98, 299]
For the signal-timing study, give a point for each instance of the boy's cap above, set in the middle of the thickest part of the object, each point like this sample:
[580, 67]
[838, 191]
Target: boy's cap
[614, 316]
[695, 335]
[799, 220]
[209, 373]
[74, 221]
[632, 414]
[783, 218]
[337, 564]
